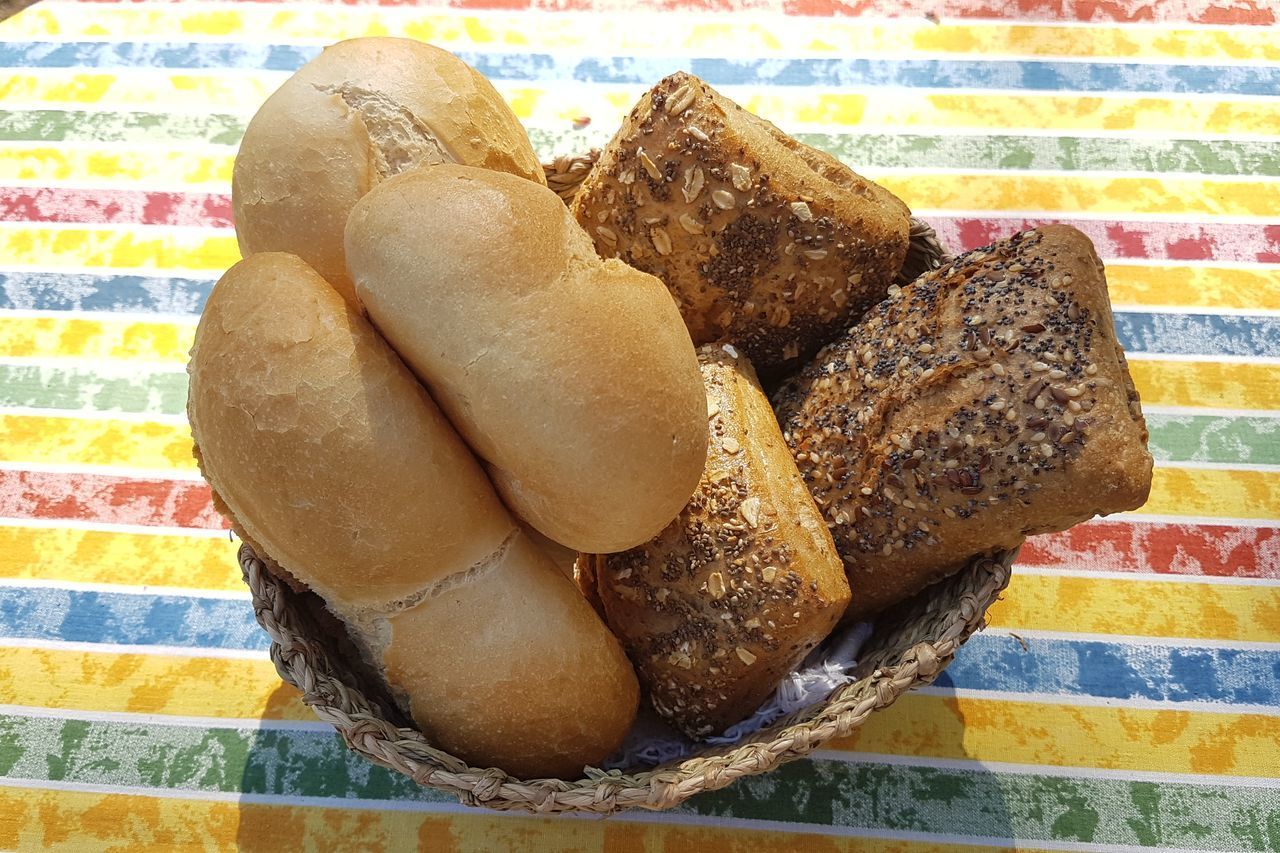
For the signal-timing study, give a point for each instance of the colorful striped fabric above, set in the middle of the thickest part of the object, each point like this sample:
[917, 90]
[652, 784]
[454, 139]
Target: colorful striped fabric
[1127, 693]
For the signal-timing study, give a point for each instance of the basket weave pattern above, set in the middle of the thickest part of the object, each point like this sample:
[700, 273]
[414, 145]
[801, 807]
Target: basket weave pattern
[908, 648]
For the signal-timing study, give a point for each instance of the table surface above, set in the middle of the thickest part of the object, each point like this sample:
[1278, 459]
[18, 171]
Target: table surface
[1127, 691]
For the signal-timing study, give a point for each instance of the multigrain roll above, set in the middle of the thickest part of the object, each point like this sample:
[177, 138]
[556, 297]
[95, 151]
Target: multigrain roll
[334, 461]
[728, 598]
[360, 112]
[573, 378]
[987, 401]
[764, 241]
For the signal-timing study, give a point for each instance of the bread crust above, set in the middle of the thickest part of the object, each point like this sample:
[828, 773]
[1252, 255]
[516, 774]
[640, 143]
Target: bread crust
[573, 378]
[332, 459]
[764, 241]
[363, 110]
[987, 401]
[730, 596]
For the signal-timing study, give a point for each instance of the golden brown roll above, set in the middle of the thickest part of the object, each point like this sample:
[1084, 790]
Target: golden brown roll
[987, 401]
[764, 241]
[735, 592]
[333, 460]
[573, 378]
[360, 112]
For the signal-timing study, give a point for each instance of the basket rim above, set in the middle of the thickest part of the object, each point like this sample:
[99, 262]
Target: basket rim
[944, 618]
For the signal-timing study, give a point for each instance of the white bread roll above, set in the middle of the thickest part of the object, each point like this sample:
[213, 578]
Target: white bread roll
[361, 111]
[334, 460]
[572, 377]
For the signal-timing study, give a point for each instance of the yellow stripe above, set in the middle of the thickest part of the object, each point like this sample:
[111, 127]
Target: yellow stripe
[148, 684]
[922, 726]
[116, 248]
[1229, 385]
[76, 820]
[1140, 608]
[41, 440]
[109, 338]
[1109, 738]
[893, 110]
[1194, 286]
[1197, 197]
[98, 557]
[64, 164]
[1125, 196]
[620, 34]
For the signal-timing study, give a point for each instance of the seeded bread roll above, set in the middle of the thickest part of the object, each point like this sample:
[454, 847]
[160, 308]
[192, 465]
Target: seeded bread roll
[573, 378]
[737, 590]
[333, 460]
[361, 111]
[764, 241]
[987, 401]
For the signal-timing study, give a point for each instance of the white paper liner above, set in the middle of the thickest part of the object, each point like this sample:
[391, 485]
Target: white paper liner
[651, 741]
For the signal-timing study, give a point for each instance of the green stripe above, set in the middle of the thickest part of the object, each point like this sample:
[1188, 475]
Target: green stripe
[140, 391]
[866, 795]
[1174, 438]
[1069, 153]
[1204, 438]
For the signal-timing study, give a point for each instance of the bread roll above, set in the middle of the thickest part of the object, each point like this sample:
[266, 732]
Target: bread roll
[573, 378]
[737, 590]
[987, 401]
[764, 241]
[332, 458]
[361, 111]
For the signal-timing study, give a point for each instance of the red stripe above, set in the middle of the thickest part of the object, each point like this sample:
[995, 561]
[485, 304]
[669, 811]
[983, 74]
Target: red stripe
[24, 204]
[1164, 241]
[1249, 12]
[1173, 549]
[1113, 546]
[111, 500]
[1172, 241]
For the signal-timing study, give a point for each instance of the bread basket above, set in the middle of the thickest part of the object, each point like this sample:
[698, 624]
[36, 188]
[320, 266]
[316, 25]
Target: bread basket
[909, 647]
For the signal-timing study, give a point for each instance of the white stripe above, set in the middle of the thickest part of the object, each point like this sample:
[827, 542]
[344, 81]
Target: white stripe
[1210, 411]
[108, 527]
[144, 272]
[114, 366]
[1185, 520]
[1259, 467]
[123, 649]
[927, 213]
[1070, 571]
[1076, 700]
[1057, 771]
[1222, 359]
[635, 816]
[135, 228]
[139, 719]
[1018, 172]
[100, 316]
[1131, 640]
[1268, 267]
[1200, 310]
[94, 415]
[125, 589]
[123, 471]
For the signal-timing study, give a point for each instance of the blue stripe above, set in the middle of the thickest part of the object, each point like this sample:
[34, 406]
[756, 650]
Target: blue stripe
[988, 662]
[1033, 75]
[42, 291]
[1138, 331]
[146, 620]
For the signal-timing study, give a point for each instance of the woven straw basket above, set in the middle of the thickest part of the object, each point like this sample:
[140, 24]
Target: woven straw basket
[909, 647]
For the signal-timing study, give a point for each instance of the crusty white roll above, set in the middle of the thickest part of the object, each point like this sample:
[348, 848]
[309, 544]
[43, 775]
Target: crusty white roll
[572, 377]
[334, 460]
[734, 593]
[361, 111]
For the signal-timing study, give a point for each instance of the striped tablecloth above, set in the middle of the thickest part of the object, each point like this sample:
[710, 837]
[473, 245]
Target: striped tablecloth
[1127, 693]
